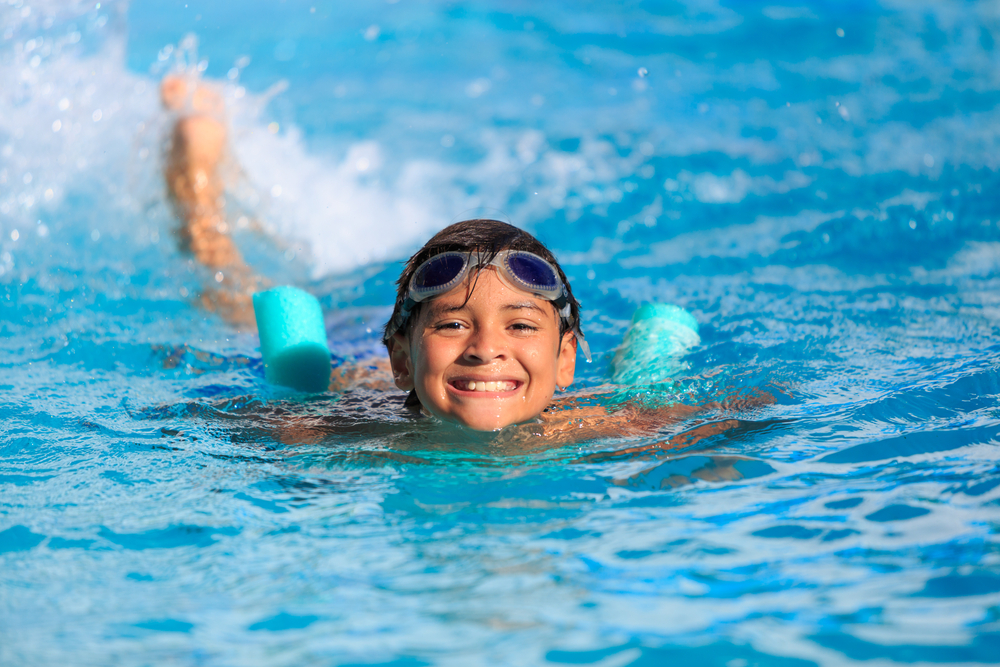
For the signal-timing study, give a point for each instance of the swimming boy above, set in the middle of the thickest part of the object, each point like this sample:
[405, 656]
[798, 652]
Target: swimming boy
[485, 329]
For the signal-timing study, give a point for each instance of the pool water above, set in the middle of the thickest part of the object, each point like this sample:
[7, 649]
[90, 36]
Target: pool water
[814, 181]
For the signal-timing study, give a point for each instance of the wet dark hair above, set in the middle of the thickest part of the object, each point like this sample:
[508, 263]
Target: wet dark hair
[487, 237]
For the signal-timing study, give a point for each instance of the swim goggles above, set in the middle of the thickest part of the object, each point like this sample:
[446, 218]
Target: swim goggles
[523, 270]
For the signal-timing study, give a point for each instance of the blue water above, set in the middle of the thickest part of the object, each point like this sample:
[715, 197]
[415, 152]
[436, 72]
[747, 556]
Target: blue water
[815, 181]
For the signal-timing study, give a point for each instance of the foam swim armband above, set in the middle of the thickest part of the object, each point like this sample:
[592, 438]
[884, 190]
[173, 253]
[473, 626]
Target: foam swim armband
[292, 338]
[651, 351]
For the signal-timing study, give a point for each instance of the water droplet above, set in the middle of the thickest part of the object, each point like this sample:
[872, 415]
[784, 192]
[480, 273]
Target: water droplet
[929, 160]
[95, 235]
[478, 87]
[97, 115]
[273, 128]
[840, 32]
[219, 277]
[56, 125]
[14, 235]
[643, 72]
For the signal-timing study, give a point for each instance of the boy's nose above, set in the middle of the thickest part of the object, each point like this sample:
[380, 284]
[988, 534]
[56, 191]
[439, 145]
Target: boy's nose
[485, 346]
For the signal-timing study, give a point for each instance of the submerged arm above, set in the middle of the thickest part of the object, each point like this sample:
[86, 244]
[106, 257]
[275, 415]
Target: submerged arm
[569, 420]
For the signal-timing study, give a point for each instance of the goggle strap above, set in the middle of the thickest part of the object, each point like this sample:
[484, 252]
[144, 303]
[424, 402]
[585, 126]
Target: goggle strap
[402, 316]
[581, 343]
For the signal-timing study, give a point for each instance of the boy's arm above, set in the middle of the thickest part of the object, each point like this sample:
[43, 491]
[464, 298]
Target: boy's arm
[567, 419]
[371, 373]
[680, 441]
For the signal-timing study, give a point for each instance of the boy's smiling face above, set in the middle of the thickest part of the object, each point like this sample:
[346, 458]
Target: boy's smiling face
[487, 359]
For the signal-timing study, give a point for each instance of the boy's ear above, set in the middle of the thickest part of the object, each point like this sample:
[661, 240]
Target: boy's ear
[400, 362]
[567, 360]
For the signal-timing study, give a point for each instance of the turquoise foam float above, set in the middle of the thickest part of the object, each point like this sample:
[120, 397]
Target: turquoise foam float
[292, 339]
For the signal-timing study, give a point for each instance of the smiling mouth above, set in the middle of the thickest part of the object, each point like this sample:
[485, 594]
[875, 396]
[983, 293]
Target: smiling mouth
[485, 386]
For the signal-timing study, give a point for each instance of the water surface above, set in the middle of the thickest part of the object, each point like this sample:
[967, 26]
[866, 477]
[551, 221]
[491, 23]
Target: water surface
[814, 182]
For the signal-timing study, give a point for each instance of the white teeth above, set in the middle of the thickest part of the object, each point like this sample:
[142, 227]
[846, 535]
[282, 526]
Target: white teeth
[499, 385]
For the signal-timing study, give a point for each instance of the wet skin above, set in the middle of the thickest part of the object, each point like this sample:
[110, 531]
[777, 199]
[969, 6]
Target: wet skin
[484, 355]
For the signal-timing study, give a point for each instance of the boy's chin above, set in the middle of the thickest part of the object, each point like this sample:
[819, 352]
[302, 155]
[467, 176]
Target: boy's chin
[484, 422]
[485, 425]
[484, 415]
